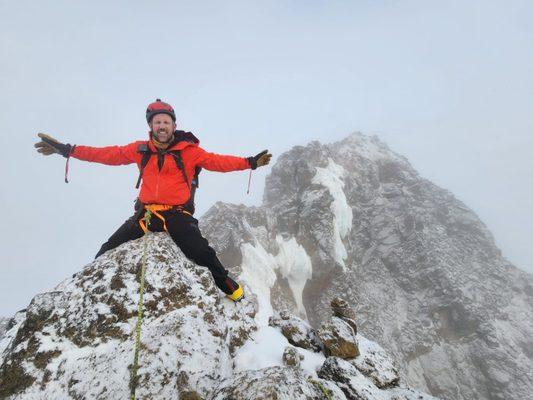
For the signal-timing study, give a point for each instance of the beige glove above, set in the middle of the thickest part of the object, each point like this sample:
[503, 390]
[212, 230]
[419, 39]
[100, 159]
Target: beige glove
[48, 145]
[260, 159]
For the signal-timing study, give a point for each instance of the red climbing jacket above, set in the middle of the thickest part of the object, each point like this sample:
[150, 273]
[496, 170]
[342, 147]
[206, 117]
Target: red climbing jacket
[165, 184]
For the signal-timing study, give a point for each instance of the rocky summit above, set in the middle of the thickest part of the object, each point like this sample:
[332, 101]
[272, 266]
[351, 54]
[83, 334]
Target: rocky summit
[350, 248]
[422, 272]
[77, 341]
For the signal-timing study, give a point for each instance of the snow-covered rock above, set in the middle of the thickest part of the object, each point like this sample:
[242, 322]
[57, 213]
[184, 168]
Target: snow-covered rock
[291, 357]
[356, 386]
[77, 341]
[297, 331]
[419, 268]
[276, 383]
[374, 363]
[338, 338]
[4, 324]
[342, 310]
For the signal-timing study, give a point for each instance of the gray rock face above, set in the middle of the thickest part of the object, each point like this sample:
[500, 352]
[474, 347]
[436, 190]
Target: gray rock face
[4, 325]
[419, 268]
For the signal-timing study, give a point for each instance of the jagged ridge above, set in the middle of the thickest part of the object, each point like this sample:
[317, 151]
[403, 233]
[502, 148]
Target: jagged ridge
[422, 271]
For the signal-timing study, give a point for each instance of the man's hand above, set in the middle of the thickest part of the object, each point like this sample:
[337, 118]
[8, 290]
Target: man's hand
[260, 159]
[48, 145]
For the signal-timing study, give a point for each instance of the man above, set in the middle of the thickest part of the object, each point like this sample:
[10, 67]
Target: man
[169, 163]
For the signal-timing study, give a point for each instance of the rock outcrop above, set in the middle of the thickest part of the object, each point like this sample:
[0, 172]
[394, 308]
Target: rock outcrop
[4, 325]
[421, 270]
[338, 338]
[76, 342]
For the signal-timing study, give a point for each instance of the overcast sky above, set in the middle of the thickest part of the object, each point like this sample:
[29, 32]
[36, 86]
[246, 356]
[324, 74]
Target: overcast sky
[447, 84]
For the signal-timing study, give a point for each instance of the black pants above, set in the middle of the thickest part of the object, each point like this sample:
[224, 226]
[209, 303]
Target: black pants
[183, 229]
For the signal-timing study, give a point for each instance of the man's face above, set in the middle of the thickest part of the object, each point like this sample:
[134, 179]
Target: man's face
[162, 127]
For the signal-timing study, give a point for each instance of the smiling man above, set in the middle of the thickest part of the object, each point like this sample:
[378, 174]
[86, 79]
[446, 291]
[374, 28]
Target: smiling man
[169, 164]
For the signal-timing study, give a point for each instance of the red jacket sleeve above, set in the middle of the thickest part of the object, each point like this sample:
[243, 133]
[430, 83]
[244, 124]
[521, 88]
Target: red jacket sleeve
[111, 155]
[217, 162]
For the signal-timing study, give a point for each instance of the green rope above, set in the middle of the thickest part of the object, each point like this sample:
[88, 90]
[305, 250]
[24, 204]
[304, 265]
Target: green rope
[319, 385]
[134, 378]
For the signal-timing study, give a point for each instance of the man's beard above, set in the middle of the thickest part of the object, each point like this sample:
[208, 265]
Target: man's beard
[170, 137]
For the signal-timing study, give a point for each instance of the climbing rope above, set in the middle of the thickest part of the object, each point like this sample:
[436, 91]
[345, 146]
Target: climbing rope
[322, 388]
[134, 378]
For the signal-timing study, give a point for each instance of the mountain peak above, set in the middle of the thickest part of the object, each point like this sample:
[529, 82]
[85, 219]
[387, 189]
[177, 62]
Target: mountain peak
[421, 269]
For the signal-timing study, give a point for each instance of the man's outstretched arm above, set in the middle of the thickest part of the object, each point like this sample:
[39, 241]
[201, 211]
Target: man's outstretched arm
[110, 155]
[226, 163]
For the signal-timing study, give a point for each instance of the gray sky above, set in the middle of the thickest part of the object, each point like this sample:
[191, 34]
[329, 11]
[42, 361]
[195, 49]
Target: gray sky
[447, 84]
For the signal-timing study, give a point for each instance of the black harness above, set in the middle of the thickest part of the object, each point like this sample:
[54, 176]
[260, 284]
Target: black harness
[146, 153]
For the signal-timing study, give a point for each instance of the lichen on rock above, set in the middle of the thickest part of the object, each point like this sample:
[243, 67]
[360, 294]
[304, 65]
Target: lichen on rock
[338, 338]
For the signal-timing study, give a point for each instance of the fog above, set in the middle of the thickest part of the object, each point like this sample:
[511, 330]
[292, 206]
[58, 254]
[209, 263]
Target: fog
[446, 84]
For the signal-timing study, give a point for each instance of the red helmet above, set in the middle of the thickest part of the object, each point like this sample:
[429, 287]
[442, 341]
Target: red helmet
[159, 107]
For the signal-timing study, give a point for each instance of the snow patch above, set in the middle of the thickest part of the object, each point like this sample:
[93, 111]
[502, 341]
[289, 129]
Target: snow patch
[295, 265]
[264, 349]
[258, 272]
[312, 361]
[331, 178]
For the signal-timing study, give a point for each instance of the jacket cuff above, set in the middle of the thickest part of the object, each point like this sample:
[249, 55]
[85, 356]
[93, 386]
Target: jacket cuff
[253, 162]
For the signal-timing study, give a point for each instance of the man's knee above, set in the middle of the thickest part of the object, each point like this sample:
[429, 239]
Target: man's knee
[129, 230]
[201, 255]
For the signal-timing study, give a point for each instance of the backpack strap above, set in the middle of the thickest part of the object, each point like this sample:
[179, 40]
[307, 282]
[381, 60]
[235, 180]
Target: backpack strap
[176, 155]
[146, 154]
[189, 205]
[196, 178]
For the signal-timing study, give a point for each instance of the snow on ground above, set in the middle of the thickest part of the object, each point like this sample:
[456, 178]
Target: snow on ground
[265, 347]
[331, 178]
[312, 361]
